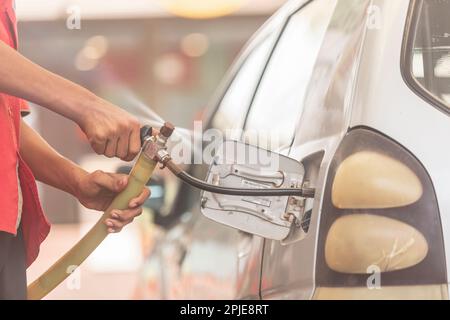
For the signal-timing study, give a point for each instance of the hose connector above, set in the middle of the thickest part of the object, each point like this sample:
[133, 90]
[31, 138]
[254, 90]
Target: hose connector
[153, 145]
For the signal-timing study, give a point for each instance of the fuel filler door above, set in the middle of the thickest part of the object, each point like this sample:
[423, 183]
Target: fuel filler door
[239, 165]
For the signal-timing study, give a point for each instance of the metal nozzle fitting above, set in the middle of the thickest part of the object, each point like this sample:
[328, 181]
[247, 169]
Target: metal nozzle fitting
[153, 145]
[167, 129]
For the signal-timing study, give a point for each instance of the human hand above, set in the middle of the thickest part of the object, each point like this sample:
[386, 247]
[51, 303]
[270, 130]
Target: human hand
[97, 190]
[111, 131]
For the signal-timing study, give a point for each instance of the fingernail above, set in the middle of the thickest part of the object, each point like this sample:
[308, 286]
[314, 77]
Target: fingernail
[115, 215]
[111, 230]
[109, 224]
[134, 204]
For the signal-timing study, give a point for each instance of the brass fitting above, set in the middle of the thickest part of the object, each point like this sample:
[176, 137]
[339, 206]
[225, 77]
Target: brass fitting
[155, 147]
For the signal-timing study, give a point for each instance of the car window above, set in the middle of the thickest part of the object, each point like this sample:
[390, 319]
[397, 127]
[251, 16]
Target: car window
[428, 50]
[234, 105]
[326, 105]
[279, 99]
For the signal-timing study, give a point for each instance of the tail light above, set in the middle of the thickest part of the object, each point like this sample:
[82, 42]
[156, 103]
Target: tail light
[379, 213]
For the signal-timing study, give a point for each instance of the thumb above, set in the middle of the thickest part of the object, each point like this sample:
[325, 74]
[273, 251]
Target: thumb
[110, 181]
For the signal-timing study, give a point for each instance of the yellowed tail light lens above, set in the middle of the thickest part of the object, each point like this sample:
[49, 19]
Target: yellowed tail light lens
[371, 180]
[379, 214]
[359, 241]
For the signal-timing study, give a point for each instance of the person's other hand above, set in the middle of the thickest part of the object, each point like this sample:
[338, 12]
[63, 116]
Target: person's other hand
[110, 130]
[97, 190]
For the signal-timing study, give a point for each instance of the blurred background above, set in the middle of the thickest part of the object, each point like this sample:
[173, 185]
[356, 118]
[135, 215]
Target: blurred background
[167, 56]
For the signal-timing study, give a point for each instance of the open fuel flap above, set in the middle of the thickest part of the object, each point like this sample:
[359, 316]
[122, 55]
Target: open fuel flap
[239, 165]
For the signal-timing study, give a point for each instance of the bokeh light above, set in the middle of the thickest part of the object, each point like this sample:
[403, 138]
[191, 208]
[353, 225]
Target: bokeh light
[93, 50]
[202, 9]
[194, 44]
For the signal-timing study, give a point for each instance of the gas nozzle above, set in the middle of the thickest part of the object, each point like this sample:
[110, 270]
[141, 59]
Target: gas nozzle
[167, 129]
[154, 146]
[164, 132]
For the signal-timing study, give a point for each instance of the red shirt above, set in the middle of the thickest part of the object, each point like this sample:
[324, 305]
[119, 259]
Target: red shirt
[35, 226]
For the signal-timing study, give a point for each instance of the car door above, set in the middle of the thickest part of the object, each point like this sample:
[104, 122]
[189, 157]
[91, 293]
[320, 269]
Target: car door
[289, 267]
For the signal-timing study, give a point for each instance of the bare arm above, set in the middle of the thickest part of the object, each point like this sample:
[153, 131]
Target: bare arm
[94, 190]
[111, 131]
[22, 78]
[47, 164]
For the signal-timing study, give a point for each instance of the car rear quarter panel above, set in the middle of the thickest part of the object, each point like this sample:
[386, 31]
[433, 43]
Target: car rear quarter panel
[384, 102]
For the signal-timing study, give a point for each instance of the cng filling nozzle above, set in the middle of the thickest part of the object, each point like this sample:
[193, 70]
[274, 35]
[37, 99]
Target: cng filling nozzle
[153, 151]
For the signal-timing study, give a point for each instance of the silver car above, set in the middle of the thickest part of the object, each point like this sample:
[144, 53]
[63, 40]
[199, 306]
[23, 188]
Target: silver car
[358, 92]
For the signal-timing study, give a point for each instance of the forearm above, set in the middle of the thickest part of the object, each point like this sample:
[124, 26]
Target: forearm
[47, 164]
[24, 79]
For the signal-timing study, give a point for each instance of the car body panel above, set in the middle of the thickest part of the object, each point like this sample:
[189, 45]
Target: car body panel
[288, 270]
